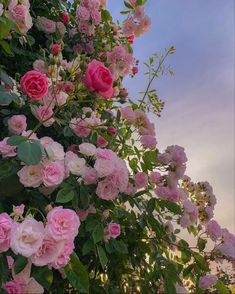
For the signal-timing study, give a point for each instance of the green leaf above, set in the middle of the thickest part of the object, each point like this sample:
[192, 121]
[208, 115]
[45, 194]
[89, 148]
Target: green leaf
[16, 140]
[5, 28]
[102, 256]
[201, 244]
[6, 47]
[87, 247]
[120, 246]
[77, 274]
[20, 263]
[43, 275]
[65, 195]
[151, 205]
[30, 152]
[97, 233]
[188, 270]
[201, 262]
[171, 206]
[5, 78]
[221, 288]
[5, 98]
[128, 5]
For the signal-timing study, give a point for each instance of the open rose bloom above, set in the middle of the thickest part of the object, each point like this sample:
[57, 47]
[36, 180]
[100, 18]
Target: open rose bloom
[89, 201]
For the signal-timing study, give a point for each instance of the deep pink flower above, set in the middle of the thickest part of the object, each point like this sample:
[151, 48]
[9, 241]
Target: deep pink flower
[98, 78]
[34, 84]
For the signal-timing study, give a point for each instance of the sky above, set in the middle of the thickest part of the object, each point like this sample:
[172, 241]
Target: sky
[199, 110]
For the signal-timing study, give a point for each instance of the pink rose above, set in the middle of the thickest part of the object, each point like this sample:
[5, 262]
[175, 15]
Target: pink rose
[128, 114]
[6, 226]
[53, 173]
[10, 262]
[34, 84]
[27, 237]
[17, 124]
[83, 13]
[114, 230]
[101, 142]
[141, 180]
[207, 281]
[55, 49]
[31, 175]
[48, 252]
[87, 149]
[107, 190]
[214, 230]
[7, 150]
[39, 65]
[46, 25]
[111, 131]
[98, 78]
[155, 177]
[64, 255]
[89, 175]
[15, 287]
[148, 141]
[65, 18]
[62, 224]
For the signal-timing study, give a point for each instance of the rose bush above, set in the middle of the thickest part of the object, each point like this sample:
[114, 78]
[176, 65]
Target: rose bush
[88, 203]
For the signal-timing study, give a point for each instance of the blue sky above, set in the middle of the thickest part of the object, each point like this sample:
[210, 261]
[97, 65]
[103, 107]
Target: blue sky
[199, 111]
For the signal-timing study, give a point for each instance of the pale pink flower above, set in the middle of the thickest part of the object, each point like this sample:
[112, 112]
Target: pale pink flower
[107, 190]
[80, 127]
[27, 237]
[17, 124]
[39, 65]
[74, 164]
[55, 151]
[31, 175]
[61, 98]
[214, 230]
[148, 141]
[139, 12]
[155, 177]
[87, 149]
[114, 230]
[83, 13]
[6, 226]
[15, 287]
[207, 281]
[7, 150]
[128, 114]
[20, 14]
[46, 25]
[45, 141]
[141, 180]
[130, 189]
[48, 252]
[53, 173]
[62, 224]
[129, 27]
[61, 28]
[64, 255]
[89, 175]
[44, 114]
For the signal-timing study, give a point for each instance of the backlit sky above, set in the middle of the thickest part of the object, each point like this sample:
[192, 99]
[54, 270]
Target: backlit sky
[199, 111]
